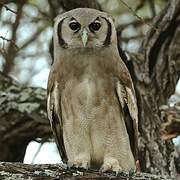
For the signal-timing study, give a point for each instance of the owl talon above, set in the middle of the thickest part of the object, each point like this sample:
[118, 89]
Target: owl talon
[111, 164]
[79, 164]
[85, 165]
[69, 165]
[105, 167]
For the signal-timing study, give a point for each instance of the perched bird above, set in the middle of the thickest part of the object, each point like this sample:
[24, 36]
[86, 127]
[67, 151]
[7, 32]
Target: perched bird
[91, 100]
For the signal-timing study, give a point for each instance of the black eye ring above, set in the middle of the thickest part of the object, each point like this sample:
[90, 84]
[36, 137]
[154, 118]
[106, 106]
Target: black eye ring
[94, 26]
[75, 26]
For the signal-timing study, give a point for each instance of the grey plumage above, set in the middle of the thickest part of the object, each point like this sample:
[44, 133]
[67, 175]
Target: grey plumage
[91, 99]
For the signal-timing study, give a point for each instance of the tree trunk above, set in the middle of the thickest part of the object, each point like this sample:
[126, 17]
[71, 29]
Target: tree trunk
[155, 71]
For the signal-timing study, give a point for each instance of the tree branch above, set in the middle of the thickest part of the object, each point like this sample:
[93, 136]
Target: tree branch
[9, 40]
[23, 118]
[7, 8]
[11, 51]
[59, 171]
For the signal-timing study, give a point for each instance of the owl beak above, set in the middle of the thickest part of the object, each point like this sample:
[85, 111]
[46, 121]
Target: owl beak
[84, 37]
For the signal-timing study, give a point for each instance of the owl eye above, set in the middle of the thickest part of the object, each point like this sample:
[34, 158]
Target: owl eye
[95, 26]
[75, 26]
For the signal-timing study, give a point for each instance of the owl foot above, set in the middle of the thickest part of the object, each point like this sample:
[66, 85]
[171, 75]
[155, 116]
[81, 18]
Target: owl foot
[79, 163]
[111, 164]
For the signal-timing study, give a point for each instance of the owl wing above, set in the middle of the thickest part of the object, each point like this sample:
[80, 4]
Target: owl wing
[127, 99]
[54, 113]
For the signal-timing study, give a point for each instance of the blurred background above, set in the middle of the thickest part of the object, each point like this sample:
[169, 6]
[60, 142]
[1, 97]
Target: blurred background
[26, 46]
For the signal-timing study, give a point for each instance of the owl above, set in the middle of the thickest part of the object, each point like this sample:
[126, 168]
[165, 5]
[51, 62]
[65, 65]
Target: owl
[91, 101]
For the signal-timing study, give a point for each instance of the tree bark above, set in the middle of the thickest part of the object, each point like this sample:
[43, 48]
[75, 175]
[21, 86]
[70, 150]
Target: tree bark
[155, 71]
[22, 118]
[51, 172]
[71, 4]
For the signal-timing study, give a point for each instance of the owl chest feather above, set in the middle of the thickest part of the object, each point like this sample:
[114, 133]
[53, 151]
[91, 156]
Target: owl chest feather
[93, 110]
[90, 80]
[89, 86]
[90, 105]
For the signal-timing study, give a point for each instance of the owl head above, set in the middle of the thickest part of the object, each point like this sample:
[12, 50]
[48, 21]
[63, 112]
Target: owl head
[84, 28]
